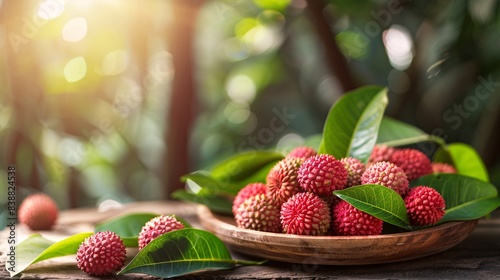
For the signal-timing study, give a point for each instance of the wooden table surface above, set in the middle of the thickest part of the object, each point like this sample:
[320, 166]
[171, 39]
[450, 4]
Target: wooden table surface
[477, 257]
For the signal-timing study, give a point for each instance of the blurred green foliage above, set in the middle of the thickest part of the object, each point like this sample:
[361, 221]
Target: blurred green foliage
[263, 81]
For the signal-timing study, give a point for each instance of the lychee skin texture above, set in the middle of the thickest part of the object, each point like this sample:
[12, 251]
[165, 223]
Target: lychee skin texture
[259, 213]
[302, 152]
[355, 169]
[282, 181]
[425, 206]
[322, 174]
[380, 153]
[349, 221]
[38, 212]
[439, 167]
[413, 162]
[249, 190]
[305, 214]
[386, 174]
[156, 227]
[102, 253]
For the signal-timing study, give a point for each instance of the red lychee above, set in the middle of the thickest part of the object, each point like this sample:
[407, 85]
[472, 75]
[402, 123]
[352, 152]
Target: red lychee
[355, 169]
[249, 190]
[425, 206]
[413, 162]
[102, 253]
[322, 174]
[439, 167]
[156, 227]
[259, 213]
[380, 153]
[282, 181]
[349, 221]
[305, 214]
[302, 152]
[386, 174]
[38, 212]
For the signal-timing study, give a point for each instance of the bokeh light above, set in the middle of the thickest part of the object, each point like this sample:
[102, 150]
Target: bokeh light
[75, 69]
[114, 63]
[75, 30]
[399, 46]
[241, 88]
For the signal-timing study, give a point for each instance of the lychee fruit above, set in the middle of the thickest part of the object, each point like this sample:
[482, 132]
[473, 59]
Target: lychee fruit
[157, 226]
[38, 211]
[386, 174]
[249, 190]
[413, 162]
[302, 152]
[355, 169]
[282, 180]
[425, 206]
[349, 221]
[305, 214]
[102, 253]
[322, 174]
[439, 167]
[380, 153]
[259, 213]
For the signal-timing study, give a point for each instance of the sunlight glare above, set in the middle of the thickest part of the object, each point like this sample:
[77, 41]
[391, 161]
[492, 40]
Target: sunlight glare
[399, 46]
[75, 30]
[75, 69]
[240, 88]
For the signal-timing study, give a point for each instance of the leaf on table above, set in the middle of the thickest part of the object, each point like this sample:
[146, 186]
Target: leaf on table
[36, 248]
[465, 159]
[129, 226]
[353, 122]
[243, 165]
[378, 201]
[182, 252]
[397, 133]
[466, 198]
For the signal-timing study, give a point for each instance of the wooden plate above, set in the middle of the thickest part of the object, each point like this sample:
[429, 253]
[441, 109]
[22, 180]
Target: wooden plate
[336, 250]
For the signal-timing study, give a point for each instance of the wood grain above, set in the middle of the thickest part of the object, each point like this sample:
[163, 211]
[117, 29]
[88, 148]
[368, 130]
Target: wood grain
[336, 250]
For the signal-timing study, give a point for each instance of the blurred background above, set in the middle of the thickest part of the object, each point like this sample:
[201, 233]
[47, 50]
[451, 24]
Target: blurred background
[111, 101]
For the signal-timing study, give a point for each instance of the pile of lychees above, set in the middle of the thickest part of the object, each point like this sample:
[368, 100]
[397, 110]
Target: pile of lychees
[297, 197]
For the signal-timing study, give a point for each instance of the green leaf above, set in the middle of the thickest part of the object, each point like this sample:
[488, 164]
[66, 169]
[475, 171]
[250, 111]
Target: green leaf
[217, 203]
[243, 165]
[466, 198]
[206, 182]
[182, 252]
[396, 133]
[465, 159]
[352, 124]
[36, 248]
[314, 141]
[378, 201]
[258, 176]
